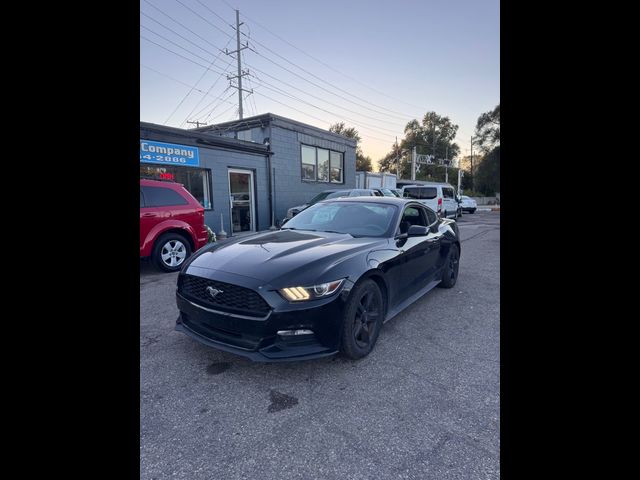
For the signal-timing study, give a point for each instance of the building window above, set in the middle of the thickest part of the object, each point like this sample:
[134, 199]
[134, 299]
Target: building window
[336, 167]
[322, 165]
[244, 135]
[308, 163]
[195, 180]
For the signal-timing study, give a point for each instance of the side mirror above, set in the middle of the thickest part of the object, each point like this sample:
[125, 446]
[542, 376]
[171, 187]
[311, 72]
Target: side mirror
[417, 231]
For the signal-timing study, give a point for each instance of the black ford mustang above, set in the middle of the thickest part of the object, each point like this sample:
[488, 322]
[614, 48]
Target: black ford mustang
[325, 282]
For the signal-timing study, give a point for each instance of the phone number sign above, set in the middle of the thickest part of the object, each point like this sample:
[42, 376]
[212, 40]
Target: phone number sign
[168, 154]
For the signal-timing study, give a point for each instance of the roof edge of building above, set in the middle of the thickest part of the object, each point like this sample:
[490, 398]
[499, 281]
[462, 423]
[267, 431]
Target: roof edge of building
[266, 118]
[208, 138]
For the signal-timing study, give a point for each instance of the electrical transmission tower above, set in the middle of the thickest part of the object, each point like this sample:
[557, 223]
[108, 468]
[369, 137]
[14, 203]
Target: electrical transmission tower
[241, 73]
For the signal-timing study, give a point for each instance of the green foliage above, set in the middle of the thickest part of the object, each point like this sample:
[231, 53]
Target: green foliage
[211, 236]
[487, 175]
[433, 136]
[363, 164]
[488, 130]
[349, 132]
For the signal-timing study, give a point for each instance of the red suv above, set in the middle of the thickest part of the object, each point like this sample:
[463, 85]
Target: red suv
[171, 223]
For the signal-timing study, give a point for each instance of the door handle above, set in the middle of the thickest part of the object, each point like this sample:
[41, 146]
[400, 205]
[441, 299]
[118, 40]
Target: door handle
[148, 215]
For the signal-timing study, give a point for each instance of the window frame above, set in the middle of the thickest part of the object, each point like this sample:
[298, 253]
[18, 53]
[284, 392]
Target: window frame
[316, 180]
[207, 178]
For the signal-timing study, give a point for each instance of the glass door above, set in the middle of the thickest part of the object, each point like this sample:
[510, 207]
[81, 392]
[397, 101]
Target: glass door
[241, 200]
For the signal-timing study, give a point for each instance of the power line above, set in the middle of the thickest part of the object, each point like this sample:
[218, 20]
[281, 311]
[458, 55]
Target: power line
[210, 88]
[182, 25]
[232, 105]
[175, 79]
[179, 46]
[323, 100]
[326, 90]
[309, 115]
[206, 107]
[356, 122]
[216, 14]
[193, 43]
[204, 19]
[171, 30]
[332, 68]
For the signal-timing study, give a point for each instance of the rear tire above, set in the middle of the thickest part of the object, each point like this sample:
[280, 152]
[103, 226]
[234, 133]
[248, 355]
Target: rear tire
[170, 252]
[450, 268]
[362, 320]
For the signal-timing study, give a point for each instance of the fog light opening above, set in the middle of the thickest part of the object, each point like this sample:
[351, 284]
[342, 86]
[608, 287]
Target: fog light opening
[289, 333]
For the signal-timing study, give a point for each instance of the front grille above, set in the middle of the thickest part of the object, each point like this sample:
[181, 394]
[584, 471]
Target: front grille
[234, 299]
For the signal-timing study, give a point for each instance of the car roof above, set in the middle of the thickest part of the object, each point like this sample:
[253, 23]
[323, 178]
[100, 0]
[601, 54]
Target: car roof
[158, 183]
[430, 184]
[389, 200]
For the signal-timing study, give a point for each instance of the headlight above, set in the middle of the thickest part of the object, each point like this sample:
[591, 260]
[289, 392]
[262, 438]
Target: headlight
[301, 294]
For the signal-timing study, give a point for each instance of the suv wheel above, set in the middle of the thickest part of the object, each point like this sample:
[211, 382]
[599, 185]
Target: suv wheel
[170, 251]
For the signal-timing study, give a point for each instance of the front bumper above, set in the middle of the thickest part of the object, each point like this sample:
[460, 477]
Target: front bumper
[256, 337]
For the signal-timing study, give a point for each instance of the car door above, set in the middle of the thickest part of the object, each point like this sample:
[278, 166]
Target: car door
[148, 218]
[433, 258]
[449, 201]
[409, 271]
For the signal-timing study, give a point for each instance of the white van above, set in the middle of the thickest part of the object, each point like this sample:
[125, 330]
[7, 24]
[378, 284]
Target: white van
[440, 197]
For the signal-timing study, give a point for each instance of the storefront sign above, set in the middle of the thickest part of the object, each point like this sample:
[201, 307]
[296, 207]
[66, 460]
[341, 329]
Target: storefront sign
[168, 153]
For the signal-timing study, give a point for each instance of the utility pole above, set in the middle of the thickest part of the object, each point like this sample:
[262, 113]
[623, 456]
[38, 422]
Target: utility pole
[413, 164]
[472, 179]
[197, 123]
[446, 167]
[397, 161]
[241, 73]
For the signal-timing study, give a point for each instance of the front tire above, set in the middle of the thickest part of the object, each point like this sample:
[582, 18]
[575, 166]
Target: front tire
[450, 269]
[362, 320]
[170, 252]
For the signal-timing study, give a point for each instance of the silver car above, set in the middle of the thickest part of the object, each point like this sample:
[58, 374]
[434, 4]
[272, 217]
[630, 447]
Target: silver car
[468, 204]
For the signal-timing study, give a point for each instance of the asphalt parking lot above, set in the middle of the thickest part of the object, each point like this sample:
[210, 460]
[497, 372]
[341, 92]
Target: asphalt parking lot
[425, 404]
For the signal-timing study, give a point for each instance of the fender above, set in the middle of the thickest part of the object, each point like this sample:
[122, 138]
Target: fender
[159, 229]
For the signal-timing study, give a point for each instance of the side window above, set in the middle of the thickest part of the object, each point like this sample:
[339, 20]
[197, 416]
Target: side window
[428, 193]
[412, 216]
[447, 192]
[431, 216]
[141, 199]
[162, 197]
[412, 192]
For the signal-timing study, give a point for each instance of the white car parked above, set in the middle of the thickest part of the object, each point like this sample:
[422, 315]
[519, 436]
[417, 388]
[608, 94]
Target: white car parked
[468, 204]
[440, 197]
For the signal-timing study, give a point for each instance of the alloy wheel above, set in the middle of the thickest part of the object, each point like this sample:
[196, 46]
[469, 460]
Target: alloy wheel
[173, 253]
[366, 319]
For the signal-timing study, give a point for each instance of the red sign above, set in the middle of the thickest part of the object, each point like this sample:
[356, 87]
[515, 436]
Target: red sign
[167, 176]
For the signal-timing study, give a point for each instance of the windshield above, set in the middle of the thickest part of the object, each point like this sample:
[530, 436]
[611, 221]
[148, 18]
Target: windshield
[355, 219]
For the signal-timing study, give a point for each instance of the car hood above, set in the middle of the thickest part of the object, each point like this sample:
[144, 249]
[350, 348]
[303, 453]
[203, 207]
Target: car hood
[285, 256]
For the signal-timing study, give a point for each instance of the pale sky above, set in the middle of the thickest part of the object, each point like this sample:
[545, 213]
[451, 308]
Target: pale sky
[374, 65]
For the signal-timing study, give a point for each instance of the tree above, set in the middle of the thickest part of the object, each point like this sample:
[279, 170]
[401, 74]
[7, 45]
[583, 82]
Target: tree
[487, 175]
[389, 163]
[488, 130]
[363, 164]
[433, 136]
